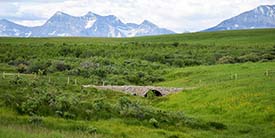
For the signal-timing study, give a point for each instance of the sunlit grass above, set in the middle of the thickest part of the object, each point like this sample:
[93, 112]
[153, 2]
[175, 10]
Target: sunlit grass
[245, 103]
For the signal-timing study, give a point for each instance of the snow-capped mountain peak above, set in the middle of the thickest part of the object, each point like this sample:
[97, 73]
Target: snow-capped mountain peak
[148, 23]
[260, 17]
[267, 10]
[90, 14]
[59, 13]
[91, 24]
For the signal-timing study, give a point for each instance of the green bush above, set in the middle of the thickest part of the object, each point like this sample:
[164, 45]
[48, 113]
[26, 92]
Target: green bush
[61, 66]
[65, 51]
[17, 80]
[22, 68]
[217, 125]
[86, 54]
[39, 66]
[49, 44]
[154, 122]
[35, 120]
[175, 44]
[226, 60]
[249, 58]
[91, 130]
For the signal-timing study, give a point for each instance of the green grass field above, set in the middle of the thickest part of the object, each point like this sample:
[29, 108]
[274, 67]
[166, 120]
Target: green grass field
[245, 104]
[231, 73]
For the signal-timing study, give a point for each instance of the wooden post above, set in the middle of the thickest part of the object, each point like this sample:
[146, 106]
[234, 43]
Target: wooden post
[68, 80]
[266, 73]
[75, 81]
[34, 75]
[103, 83]
[3, 75]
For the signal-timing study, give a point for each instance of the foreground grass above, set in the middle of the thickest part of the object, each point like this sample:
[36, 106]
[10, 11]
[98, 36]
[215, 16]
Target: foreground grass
[238, 95]
[13, 126]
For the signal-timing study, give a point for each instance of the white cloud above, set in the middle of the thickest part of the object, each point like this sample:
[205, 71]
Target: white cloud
[177, 15]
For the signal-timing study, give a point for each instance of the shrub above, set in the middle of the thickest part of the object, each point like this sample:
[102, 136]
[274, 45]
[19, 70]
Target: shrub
[49, 44]
[69, 115]
[252, 57]
[217, 125]
[61, 66]
[86, 54]
[191, 62]
[64, 51]
[77, 52]
[154, 122]
[130, 109]
[36, 120]
[31, 106]
[100, 105]
[18, 61]
[124, 103]
[150, 94]
[268, 57]
[175, 44]
[173, 136]
[21, 68]
[9, 99]
[39, 66]
[273, 50]
[18, 81]
[226, 60]
[91, 130]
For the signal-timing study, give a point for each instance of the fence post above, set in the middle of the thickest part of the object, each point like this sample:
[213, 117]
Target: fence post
[236, 76]
[3, 75]
[68, 80]
[35, 76]
[266, 73]
[75, 81]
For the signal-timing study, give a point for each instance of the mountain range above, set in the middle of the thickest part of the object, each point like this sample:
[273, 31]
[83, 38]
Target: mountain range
[260, 17]
[89, 25]
[94, 25]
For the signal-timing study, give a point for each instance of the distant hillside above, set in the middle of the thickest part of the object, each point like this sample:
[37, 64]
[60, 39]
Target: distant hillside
[261, 17]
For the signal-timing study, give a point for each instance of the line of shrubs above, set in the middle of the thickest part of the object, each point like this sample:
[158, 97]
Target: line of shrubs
[252, 57]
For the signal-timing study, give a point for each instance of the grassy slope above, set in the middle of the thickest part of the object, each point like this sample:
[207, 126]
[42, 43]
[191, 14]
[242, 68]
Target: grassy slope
[13, 125]
[246, 104]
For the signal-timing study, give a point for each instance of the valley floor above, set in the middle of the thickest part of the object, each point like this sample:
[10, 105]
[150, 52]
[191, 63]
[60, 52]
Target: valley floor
[232, 73]
[241, 96]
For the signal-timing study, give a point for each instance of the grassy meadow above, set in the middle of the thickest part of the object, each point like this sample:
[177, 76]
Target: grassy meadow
[230, 76]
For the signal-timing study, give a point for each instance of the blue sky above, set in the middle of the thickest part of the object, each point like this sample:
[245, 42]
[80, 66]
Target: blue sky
[177, 15]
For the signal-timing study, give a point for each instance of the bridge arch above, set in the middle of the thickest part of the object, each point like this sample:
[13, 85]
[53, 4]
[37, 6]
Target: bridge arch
[154, 92]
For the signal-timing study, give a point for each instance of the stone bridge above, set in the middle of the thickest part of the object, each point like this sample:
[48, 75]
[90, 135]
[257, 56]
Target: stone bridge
[139, 90]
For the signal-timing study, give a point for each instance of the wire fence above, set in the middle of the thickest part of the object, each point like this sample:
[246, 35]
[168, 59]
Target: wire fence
[74, 80]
